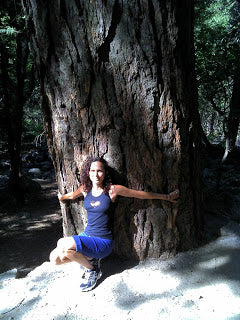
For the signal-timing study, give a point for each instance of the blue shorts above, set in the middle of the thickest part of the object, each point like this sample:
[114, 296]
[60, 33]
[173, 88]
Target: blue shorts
[93, 247]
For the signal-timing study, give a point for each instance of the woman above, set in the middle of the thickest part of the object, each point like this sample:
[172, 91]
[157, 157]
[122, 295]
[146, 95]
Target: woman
[96, 241]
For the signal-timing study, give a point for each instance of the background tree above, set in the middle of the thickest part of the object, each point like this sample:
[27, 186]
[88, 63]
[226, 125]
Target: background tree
[217, 60]
[117, 80]
[17, 83]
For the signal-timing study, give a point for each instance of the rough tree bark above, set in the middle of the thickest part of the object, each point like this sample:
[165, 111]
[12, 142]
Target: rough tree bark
[118, 81]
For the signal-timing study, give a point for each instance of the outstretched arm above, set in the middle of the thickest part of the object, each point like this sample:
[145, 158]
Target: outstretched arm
[118, 190]
[71, 195]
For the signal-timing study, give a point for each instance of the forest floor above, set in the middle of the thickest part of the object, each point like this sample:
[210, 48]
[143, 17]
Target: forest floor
[199, 284]
[27, 235]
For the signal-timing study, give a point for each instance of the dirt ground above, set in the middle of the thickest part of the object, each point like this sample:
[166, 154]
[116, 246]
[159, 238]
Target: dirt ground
[199, 284]
[27, 236]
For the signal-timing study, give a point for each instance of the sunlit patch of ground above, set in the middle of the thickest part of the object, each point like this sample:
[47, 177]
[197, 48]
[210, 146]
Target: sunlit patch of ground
[198, 285]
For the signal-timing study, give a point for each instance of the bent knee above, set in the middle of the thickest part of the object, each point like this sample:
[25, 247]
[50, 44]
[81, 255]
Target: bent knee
[54, 257]
[60, 243]
[66, 243]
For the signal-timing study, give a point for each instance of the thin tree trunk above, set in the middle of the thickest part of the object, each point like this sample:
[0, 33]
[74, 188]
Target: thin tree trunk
[14, 113]
[17, 118]
[118, 81]
[234, 114]
[233, 118]
[6, 98]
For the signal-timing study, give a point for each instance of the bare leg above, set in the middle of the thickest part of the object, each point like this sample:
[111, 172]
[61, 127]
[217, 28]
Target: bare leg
[78, 257]
[55, 257]
[66, 252]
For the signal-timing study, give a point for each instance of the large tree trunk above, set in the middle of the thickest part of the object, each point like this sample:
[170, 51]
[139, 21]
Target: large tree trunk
[118, 81]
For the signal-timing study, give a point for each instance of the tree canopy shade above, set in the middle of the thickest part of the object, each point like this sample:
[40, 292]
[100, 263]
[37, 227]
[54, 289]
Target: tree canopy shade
[14, 54]
[217, 32]
[118, 81]
[18, 94]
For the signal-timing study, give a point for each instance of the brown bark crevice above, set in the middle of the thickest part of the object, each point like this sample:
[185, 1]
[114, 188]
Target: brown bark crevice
[104, 49]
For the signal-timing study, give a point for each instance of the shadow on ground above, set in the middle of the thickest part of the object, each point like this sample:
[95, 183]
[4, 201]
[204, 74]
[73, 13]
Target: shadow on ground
[28, 235]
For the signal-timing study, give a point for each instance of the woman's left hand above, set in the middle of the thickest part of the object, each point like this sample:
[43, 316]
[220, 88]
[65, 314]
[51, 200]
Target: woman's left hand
[173, 196]
[113, 193]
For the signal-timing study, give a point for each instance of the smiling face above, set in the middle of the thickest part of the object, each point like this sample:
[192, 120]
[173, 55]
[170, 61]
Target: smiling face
[97, 173]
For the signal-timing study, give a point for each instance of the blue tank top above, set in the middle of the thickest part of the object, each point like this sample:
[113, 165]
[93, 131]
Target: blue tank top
[98, 215]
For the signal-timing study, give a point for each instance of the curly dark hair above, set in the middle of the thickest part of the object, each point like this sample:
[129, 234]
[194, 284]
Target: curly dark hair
[85, 180]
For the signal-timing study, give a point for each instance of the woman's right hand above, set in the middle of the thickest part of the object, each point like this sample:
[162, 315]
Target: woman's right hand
[71, 195]
[60, 197]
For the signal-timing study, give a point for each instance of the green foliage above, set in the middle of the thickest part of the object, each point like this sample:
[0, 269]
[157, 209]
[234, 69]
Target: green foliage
[217, 56]
[12, 24]
[8, 31]
[32, 120]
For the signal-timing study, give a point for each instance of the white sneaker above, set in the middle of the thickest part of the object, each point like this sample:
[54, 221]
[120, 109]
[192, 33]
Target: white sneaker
[90, 279]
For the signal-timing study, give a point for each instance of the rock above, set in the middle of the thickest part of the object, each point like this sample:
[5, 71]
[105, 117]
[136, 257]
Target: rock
[35, 172]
